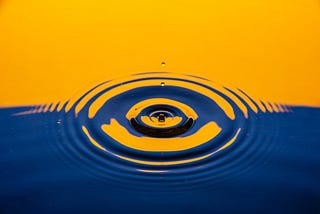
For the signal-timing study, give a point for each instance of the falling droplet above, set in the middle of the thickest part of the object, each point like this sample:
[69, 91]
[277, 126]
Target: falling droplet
[163, 64]
[162, 83]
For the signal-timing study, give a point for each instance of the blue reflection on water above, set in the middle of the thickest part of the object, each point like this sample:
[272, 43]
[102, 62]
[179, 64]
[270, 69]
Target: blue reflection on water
[36, 178]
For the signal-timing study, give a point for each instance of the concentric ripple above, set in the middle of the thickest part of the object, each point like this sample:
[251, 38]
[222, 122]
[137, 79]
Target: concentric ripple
[151, 125]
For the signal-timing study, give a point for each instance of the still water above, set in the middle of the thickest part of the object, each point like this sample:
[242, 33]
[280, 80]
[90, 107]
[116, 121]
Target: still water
[160, 143]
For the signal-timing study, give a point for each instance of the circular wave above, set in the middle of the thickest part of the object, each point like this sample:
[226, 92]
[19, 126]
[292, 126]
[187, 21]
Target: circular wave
[156, 125]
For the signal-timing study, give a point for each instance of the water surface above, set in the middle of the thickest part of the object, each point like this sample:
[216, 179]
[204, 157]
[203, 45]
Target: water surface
[160, 143]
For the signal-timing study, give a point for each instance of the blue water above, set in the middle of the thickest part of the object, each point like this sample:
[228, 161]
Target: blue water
[48, 165]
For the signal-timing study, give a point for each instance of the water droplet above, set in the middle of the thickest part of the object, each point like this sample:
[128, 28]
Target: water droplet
[162, 83]
[59, 122]
[163, 64]
[161, 118]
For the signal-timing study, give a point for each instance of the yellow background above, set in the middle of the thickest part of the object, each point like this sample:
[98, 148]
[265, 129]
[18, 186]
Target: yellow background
[51, 48]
